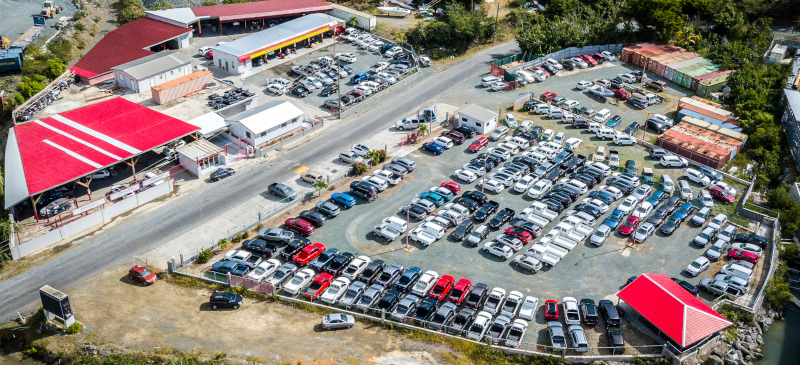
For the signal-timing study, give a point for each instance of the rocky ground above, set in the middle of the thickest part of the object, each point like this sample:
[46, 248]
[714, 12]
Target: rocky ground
[745, 347]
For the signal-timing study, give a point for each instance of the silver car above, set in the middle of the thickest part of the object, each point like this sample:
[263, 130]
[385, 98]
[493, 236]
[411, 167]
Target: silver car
[338, 320]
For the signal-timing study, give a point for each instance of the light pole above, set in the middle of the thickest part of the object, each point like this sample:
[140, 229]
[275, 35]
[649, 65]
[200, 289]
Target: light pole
[483, 178]
[338, 78]
[408, 218]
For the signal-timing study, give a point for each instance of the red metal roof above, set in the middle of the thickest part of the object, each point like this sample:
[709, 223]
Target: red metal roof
[66, 146]
[125, 44]
[262, 9]
[672, 309]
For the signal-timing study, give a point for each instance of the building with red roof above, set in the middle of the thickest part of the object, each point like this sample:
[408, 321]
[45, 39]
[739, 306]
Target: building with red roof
[137, 39]
[674, 312]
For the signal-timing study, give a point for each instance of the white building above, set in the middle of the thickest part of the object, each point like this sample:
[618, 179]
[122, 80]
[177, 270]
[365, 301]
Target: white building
[201, 157]
[776, 54]
[482, 119]
[365, 21]
[155, 69]
[266, 122]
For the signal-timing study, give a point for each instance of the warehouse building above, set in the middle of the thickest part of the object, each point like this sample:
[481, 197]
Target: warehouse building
[482, 119]
[237, 57]
[155, 69]
[264, 123]
[363, 20]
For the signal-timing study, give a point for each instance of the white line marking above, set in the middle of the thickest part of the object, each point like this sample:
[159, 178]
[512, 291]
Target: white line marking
[96, 134]
[73, 154]
[76, 139]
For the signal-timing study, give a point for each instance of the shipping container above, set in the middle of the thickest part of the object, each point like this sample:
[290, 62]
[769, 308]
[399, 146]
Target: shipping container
[180, 87]
[693, 148]
[10, 59]
[669, 73]
[708, 87]
[729, 144]
[688, 112]
[708, 76]
[739, 136]
[661, 67]
[707, 105]
[655, 61]
[684, 75]
[628, 52]
[719, 114]
[642, 58]
[711, 103]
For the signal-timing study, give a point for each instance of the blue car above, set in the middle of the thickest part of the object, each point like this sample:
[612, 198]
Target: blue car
[433, 198]
[343, 199]
[711, 173]
[445, 194]
[361, 76]
[656, 197]
[231, 267]
[614, 121]
[614, 220]
[433, 148]
[323, 259]
[409, 278]
[604, 196]
[684, 211]
[343, 65]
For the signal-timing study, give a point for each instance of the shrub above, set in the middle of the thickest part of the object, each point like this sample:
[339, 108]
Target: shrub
[360, 168]
[205, 256]
[259, 226]
[245, 234]
[80, 27]
[236, 239]
[222, 243]
[73, 328]
[79, 15]
[791, 253]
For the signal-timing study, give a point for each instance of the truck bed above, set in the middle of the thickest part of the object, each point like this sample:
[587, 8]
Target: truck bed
[26, 38]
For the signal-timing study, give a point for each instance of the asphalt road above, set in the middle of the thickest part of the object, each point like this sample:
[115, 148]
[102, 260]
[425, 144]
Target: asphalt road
[140, 233]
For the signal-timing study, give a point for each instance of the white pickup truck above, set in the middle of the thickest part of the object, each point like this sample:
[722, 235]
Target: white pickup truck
[541, 210]
[540, 253]
[528, 216]
[427, 233]
[387, 231]
[579, 226]
[554, 238]
[566, 229]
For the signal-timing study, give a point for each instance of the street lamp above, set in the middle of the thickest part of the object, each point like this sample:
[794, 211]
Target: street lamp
[483, 178]
[408, 218]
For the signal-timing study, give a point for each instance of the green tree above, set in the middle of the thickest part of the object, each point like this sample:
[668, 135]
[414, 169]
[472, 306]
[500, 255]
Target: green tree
[423, 129]
[55, 67]
[130, 11]
[160, 5]
[30, 86]
[352, 21]
[663, 17]
[320, 185]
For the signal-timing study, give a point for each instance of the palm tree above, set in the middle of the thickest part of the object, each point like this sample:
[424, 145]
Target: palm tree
[353, 21]
[423, 129]
[320, 185]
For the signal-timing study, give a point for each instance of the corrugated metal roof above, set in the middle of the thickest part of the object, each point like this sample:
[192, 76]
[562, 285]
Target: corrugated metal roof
[267, 116]
[276, 35]
[478, 112]
[262, 9]
[679, 65]
[179, 15]
[180, 80]
[793, 99]
[154, 64]
[125, 44]
[209, 123]
[200, 148]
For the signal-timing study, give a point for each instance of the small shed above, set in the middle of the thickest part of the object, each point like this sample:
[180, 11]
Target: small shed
[201, 157]
[776, 54]
[155, 69]
[266, 122]
[482, 119]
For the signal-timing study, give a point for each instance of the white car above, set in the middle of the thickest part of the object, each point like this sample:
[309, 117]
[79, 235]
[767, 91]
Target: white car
[388, 176]
[299, 282]
[498, 249]
[276, 89]
[317, 83]
[581, 63]
[609, 56]
[347, 57]
[324, 78]
[498, 86]
[380, 66]
[477, 170]
[724, 186]
[529, 307]
[571, 312]
[375, 46]
[583, 85]
[706, 199]
[466, 175]
[511, 120]
[360, 149]
[727, 233]
[627, 205]
[673, 161]
[597, 203]
[735, 282]
[511, 304]
[528, 262]
[599, 236]
[611, 190]
[356, 267]
[717, 250]
[539, 189]
[445, 142]
[500, 152]
[697, 266]
[642, 192]
[524, 183]
[202, 50]
[264, 269]
[554, 63]
[492, 185]
[570, 104]
[749, 247]
[335, 290]
[697, 177]
[643, 210]
[425, 283]
[367, 90]
[644, 232]
[102, 174]
[479, 326]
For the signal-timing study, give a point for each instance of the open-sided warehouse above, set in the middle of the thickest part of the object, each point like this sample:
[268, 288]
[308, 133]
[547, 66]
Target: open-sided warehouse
[693, 148]
[237, 56]
[694, 111]
[364, 20]
[714, 85]
[709, 76]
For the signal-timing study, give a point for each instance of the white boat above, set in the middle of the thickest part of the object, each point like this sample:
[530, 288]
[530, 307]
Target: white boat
[395, 10]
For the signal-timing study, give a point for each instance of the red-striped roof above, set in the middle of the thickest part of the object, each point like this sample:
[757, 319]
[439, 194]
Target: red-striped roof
[676, 312]
[66, 146]
[262, 9]
[125, 44]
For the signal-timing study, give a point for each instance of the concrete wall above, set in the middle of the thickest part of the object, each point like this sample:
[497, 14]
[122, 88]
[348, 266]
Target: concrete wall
[234, 67]
[154, 192]
[80, 225]
[120, 207]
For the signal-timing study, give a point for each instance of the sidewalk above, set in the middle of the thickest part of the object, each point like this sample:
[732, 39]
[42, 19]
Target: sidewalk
[232, 221]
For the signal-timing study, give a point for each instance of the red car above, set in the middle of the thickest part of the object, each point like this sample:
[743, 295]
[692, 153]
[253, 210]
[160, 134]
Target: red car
[453, 187]
[140, 273]
[629, 226]
[621, 94]
[209, 54]
[442, 287]
[460, 291]
[589, 60]
[547, 96]
[598, 57]
[551, 310]
[521, 234]
[743, 255]
[300, 225]
[546, 73]
[318, 285]
[720, 194]
[309, 253]
[478, 144]
[456, 136]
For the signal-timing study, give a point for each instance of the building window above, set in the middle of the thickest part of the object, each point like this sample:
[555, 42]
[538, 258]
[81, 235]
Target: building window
[478, 124]
[172, 72]
[284, 124]
[263, 134]
[248, 134]
[464, 120]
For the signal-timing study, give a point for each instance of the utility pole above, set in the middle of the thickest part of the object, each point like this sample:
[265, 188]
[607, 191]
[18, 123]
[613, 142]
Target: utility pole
[496, 17]
[338, 78]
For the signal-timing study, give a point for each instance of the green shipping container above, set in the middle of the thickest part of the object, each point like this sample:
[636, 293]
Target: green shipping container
[684, 75]
[714, 85]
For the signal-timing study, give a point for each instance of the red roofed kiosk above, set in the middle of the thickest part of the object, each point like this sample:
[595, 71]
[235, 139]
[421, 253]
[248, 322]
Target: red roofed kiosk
[670, 310]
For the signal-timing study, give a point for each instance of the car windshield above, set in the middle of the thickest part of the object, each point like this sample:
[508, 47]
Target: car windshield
[695, 264]
[145, 273]
[599, 234]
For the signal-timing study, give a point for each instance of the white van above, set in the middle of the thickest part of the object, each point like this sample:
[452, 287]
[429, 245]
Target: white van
[489, 80]
[602, 168]
[498, 133]
[526, 125]
[601, 116]
[555, 113]
[599, 155]
[582, 188]
[593, 127]
[547, 135]
[526, 75]
[572, 143]
[686, 190]
[606, 133]
[667, 184]
[540, 158]
[542, 108]
[553, 146]
[547, 152]
[738, 271]
[559, 138]
[522, 143]
[622, 139]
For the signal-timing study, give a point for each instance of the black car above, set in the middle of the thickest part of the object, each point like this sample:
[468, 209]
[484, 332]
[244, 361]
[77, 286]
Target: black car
[658, 217]
[476, 296]
[293, 248]
[463, 230]
[562, 157]
[388, 301]
[417, 212]
[656, 125]
[755, 239]
[615, 341]
[672, 203]
[408, 279]
[300, 91]
[522, 168]
[502, 217]
[632, 128]
[425, 310]
[466, 130]
[455, 136]
[225, 300]
[528, 136]
[324, 259]
[580, 123]
[486, 210]
[623, 186]
[222, 173]
[671, 225]
[687, 286]
[658, 153]
[329, 90]
[537, 131]
[338, 264]
[553, 205]
[553, 174]
[528, 106]
[589, 180]
[261, 246]
[589, 313]
[589, 209]
[316, 218]
[467, 203]
[610, 313]
[531, 163]
[372, 271]
[550, 68]
[389, 275]
[476, 196]
[562, 198]
[461, 322]
[531, 228]
[572, 164]
[569, 65]
[603, 196]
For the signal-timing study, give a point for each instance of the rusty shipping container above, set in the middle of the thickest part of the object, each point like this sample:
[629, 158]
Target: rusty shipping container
[698, 79]
[655, 61]
[661, 67]
[719, 140]
[709, 114]
[693, 148]
[181, 86]
[669, 73]
[705, 104]
[684, 75]
[646, 55]
[741, 137]
[628, 52]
